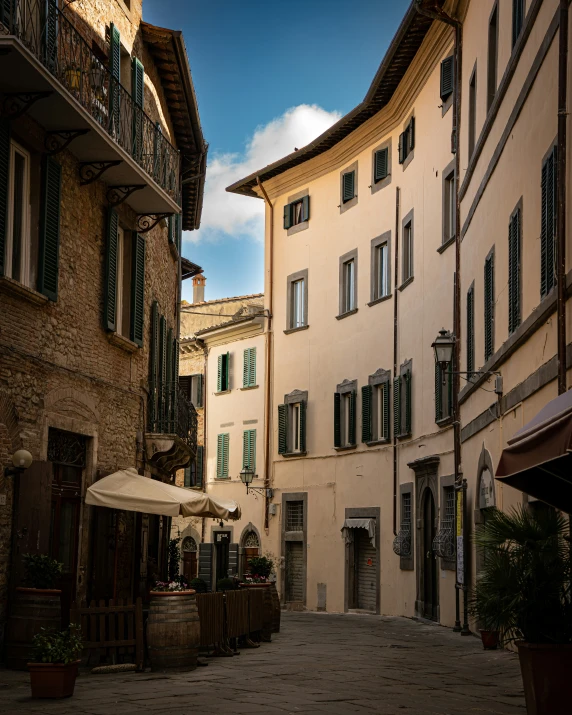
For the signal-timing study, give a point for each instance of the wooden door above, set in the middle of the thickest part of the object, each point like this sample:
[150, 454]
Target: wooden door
[366, 571]
[294, 571]
[189, 565]
[429, 561]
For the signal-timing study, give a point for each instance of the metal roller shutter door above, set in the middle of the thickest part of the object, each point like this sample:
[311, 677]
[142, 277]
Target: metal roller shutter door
[366, 571]
[294, 571]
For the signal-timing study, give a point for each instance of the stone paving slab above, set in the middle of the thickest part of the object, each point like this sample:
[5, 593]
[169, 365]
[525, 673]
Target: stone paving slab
[318, 664]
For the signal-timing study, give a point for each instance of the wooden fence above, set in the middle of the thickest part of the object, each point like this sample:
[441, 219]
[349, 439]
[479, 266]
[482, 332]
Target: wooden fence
[113, 632]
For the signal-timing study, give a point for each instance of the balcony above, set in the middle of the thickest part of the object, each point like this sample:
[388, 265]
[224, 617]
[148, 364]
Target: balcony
[48, 70]
[171, 438]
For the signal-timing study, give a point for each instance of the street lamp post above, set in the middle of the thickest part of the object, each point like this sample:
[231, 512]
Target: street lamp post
[246, 477]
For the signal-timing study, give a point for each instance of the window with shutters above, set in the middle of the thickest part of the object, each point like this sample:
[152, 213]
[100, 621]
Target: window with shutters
[348, 187]
[548, 224]
[449, 203]
[191, 475]
[472, 128]
[345, 415]
[292, 424]
[297, 212]
[407, 143]
[514, 270]
[192, 387]
[407, 252]
[348, 283]
[381, 271]
[249, 368]
[444, 546]
[492, 56]
[470, 331]
[447, 83]
[518, 11]
[222, 450]
[297, 305]
[381, 166]
[489, 314]
[403, 401]
[375, 408]
[223, 373]
[403, 542]
[249, 449]
[17, 247]
[443, 393]
[124, 281]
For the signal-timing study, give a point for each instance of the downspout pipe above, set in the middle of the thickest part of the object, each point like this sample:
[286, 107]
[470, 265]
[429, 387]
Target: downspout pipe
[395, 349]
[561, 188]
[267, 455]
[434, 12]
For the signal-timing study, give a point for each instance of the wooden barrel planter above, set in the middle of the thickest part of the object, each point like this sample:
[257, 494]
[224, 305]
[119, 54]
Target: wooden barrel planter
[275, 608]
[31, 610]
[266, 633]
[173, 630]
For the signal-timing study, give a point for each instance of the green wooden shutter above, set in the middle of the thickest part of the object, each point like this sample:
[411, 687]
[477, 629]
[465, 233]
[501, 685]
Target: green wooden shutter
[110, 318]
[153, 365]
[227, 372]
[162, 403]
[397, 406]
[303, 426]
[138, 290]
[282, 429]
[348, 186]
[548, 224]
[219, 374]
[353, 418]
[137, 93]
[337, 419]
[514, 272]
[246, 448]
[8, 15]
[287, 216]
[380, 165]
[470, 332]
[51, 35]
[171, 228]
[450, 390]
[115, 71]
[489, 307]
[199, 391]
[408, 405]
[246, 368]
[220, 456]
[386, 410]
[447, 78]
[49, 257]
[4, 186]
[252, 376]
[200, 467]
[306, 208]
[411, 135]
[366, 412]
[438, 393]
[400, 147]
[226, 454]
[169, 381]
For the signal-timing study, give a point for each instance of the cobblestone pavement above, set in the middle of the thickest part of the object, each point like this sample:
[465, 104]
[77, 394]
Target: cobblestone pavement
[318, 663]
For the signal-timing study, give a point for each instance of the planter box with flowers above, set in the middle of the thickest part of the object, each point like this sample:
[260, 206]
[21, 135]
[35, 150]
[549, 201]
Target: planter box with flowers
[55, 662]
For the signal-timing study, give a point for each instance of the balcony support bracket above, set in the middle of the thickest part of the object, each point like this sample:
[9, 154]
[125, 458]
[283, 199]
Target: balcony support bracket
[15, 104]
[90, 171]
[57, 141]
[145, 222]
[117, 194]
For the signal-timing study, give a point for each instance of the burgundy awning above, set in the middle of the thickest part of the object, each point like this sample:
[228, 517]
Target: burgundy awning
[538, 458]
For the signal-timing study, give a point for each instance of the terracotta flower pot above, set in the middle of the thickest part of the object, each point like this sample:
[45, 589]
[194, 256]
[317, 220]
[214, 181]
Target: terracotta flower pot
[546, 672]
[53, 680]
[490, 639]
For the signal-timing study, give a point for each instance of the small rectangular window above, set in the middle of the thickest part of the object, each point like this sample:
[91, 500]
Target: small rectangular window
[472, 112]
[17, 250]
[380, 165]
[489, 306]
[548, 204]
[514, 271]
[295, 427]
[249, 369]
[297, 312]
[517, 19]
[470, 332]
[192, 388]
[294, 516]
[124, 278]
[447, 78]
[348, 286]
[407, 251]
[449, 207]
[223, 373]
[348, 186]
[492, 57]
[297, 212]
[407, 141]
[403, 401]
[381, 271]
[382, 411]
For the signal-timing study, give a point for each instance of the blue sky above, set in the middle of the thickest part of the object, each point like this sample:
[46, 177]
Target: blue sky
[269, 76]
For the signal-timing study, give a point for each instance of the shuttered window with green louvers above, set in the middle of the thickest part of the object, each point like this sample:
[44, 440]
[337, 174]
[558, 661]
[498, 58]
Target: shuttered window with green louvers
[297, 212]
[337, 419]
[115, 85]
[470, 332]
[366, 413]
[489, 306]
[249, 368]
[169, 392]
[348, 186]
[111, 259]
[345, 415]
[514, 277]
[548, 224]
[381, 165]
[397, 406]
[138, 94]
[249, 449]
[408, 405]
[282, 429]
[4, 188]
[138, 291]
[154, 367]
[222, 455]
[385, 410]
[49, 249]
[302, 426]
[407, 141]
[200, 466]
[162, 367]
[352, 418]
[223, 372]
[447, 78]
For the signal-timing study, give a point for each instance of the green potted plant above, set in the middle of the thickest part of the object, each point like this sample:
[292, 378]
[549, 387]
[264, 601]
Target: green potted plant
[55, 662]
[225, 584]
[523, 590]
[198, 585]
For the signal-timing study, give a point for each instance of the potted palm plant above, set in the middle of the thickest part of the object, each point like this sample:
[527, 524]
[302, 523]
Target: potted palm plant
[523, 590]
[56, 660]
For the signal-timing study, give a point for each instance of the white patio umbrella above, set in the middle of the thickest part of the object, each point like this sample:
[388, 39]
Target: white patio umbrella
[128, 490]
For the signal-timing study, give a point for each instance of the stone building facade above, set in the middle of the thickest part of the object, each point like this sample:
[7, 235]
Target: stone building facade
[94, 298]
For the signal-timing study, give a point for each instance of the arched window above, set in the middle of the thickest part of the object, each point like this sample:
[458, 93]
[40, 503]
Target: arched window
[189, 558]
[250, 548]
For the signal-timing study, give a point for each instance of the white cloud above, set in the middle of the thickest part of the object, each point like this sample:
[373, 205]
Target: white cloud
[227, 214]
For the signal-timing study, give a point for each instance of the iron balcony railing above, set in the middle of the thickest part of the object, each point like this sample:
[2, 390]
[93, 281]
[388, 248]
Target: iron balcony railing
[170, 412]
[53, 39]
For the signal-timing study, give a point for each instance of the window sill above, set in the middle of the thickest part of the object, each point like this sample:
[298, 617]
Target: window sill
[375, 442]
[408, 159]
[121, 342]
[250, 387]
[295, 330]
[223, 479]
[404, 285]
[445, 421]
[447, 104]
[12, 287]
[405, 435]
[345, 315]
[444, 246]
[379, 300]
[296, 228]
[345, 448]
[293, 454]
[222, 392]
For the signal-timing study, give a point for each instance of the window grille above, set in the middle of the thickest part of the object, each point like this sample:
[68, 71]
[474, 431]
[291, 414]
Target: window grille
[294, 516]
[402, 542]
[444, 542]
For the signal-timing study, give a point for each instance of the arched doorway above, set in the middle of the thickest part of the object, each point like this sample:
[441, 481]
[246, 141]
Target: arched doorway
[250, 549]
[429, 531]
[189, 556]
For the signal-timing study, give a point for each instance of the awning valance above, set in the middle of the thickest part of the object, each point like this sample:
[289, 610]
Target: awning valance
[537, 459]
[129, 491]
[364, 523]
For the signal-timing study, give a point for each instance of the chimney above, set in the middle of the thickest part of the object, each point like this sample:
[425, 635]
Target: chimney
[199, 288]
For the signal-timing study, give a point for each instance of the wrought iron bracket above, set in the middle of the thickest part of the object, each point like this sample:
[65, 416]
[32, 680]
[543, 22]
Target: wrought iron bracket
[90, 171]
[118, 194]
[57, 141]
[15, 104]
[145, 222]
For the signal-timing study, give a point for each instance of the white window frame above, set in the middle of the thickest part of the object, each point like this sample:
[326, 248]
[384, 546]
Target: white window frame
[408, 241]
[25, 257]
[381, 253]
[298, 303]
[378, 399]
[450, 206]
[349, 274]
[297, 213]
[294, 427]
